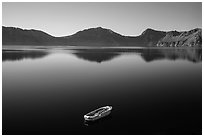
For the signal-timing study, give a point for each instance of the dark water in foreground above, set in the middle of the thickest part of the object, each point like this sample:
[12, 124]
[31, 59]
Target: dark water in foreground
[152, 91]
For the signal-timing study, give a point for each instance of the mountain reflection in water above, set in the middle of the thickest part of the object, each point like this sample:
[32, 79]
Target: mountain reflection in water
[102, 55]
[96, 56]
[14, 55]
[190, 54]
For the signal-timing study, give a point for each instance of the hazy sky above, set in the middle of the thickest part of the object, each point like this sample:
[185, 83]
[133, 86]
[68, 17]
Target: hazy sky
[60, 19]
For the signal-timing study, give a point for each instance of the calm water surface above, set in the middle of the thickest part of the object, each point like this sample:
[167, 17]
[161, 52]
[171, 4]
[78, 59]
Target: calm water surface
[152, 91]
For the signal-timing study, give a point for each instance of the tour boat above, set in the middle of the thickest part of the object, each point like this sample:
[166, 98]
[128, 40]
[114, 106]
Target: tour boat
[98, 113]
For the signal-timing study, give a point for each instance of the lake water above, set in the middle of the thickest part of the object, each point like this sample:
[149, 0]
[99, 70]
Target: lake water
[152, 91]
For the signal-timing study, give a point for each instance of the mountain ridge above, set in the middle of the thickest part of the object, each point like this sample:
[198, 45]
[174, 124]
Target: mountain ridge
[93, 37]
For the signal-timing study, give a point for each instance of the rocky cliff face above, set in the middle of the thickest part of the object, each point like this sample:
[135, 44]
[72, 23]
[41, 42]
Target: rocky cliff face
[192, 38]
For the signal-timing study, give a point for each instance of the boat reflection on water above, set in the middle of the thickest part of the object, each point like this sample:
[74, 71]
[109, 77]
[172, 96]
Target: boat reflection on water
[99, 121]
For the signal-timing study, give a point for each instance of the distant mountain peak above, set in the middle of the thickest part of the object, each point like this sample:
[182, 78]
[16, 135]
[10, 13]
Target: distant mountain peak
[173, 33]
[148, 31]
[97, 29]
[96, 32]
[100, 28]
